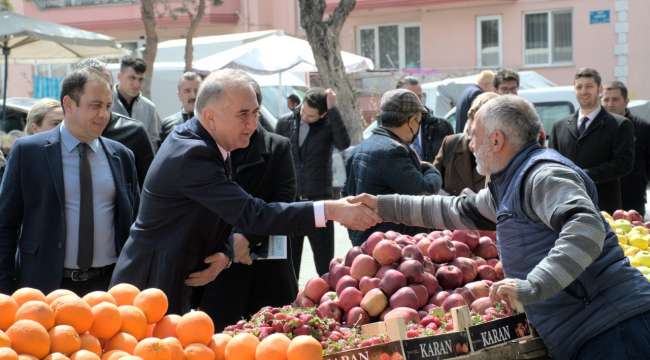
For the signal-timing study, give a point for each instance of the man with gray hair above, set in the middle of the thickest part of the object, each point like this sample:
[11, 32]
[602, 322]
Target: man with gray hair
[561, 259]
[189, 197]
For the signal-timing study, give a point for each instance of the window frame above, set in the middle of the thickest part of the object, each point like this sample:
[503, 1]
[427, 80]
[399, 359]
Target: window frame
[551, 40]
[479, 40]
[401, 41]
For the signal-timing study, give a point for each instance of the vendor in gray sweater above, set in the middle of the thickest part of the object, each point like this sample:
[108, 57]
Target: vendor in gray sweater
[560, 257]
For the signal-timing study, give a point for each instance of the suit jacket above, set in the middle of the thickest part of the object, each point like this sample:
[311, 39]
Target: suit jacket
[167, 124]
[131, 134]
[464, 103]
[605, 152]
[432, 132]
[32, 209]
[186, 197]
[457, 165]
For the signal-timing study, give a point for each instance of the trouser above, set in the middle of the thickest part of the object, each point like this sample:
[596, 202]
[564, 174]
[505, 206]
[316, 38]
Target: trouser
[629, 339]
[322, 245]
[241, 290]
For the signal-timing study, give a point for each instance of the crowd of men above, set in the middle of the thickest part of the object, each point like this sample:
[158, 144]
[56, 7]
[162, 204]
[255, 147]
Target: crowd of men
[84, 203]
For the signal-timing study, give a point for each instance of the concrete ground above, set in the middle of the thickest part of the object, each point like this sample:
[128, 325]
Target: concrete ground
[341, 246]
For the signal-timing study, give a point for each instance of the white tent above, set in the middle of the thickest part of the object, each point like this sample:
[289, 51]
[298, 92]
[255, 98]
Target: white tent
[441, 96]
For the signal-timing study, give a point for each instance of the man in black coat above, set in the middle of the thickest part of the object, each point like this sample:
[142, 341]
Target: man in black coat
[188, 87]
[189, 193]
[484, 83]
[633, 185]
[602, 144]
[313, 131]
[432, 129]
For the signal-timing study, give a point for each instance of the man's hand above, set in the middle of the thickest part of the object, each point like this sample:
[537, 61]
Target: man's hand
[366, 199]
[331, 98]
[354, 216]
[241, 249]
[506, 290]
[218, 262]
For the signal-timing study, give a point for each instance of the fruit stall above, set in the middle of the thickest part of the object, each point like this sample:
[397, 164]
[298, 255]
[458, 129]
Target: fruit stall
[394, 297]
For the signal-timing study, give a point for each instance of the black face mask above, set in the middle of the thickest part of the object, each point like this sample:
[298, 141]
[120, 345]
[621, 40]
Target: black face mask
[413, 133]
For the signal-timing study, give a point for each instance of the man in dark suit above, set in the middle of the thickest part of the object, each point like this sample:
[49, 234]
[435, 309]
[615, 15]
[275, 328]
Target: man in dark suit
[601, 143]
[633, 185]
[189, 192]
[68, 197]
[314, 130]
[188, 87]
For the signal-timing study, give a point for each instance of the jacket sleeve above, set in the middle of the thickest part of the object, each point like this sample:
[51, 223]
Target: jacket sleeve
[340, 136]
[135, 186]
[552, 141]
[622, 161]
[439, 161]
[282, 128]
[404, 178]
[11, 218]
[144, 156]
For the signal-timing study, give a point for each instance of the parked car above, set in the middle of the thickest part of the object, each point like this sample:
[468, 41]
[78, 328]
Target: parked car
[17, 109]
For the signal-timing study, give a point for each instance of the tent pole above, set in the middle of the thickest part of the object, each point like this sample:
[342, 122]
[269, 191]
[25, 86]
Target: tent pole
[5, 52]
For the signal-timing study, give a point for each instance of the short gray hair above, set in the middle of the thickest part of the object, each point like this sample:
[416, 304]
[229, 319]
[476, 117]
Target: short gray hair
[514, 116]
[213, 87]
[189, 76]
[37, 113]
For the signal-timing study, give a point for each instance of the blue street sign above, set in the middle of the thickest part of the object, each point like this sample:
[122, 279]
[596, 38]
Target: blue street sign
[599, 17]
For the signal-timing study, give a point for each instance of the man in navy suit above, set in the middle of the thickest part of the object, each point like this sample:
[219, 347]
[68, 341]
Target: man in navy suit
[189, 196]
[68, 197]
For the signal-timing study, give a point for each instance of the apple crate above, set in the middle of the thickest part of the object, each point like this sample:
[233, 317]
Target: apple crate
[390, 350]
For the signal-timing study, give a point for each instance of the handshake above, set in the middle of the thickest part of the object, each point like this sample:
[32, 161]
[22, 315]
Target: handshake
[354, 212]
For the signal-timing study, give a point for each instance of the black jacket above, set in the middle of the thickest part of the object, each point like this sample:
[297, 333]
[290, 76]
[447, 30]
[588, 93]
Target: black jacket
[633, 185]
[432, 131]
[313, 160]
[605, 152]
[167, 124]
[133, 135]
[383, 164]
[464, 103]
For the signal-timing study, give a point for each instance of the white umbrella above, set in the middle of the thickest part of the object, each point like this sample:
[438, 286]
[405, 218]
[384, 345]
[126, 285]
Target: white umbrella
[28, 39]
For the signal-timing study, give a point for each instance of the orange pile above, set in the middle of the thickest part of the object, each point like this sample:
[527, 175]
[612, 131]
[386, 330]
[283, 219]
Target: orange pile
[128, 324]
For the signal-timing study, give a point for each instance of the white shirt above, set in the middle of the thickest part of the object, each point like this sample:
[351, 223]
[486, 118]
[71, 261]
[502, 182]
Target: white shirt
[592, 115]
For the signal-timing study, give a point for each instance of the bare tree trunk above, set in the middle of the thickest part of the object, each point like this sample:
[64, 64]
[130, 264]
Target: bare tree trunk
[323, 36]
[195, 20]
[151, 45]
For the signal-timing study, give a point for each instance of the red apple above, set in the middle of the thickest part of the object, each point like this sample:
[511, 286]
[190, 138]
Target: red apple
[634, 215]
[462, 249]
[479, 260]
[422, 294]
[499, 270]
[374, 302]
[357, 317]
[349, 298]
[404, 240]
[407, 314]
[465, 293]
[382, 270]
[352, 253]
[392, 281]
[315, 288]
[329, 309]
[449, 277]
[486, 248]
[335, 261]
[303, 301]
[387, 252]
[369, 245]
[492, 262]
[452, 301]
[423, 246]
[430, 282]
[330, 295]
[619, 214]
[404, 297]
[468, 237]
[412, 252]
[346, 282]
[429, 266]
[337, 272]
[392, 235]
[467, 266]
[413, 270]
[442, 250]
[363, 265]
[439, 297]
[367, 283]
[480, 305]
[487, 272]
[479, 289]
[434, 234]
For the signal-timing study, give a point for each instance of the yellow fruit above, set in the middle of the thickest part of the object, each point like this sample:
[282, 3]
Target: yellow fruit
[640, 229]
[639, 241]
[622, 225]
[644, 270]
[643, 258]
[631, 251]
[633, 261]
[622, 239]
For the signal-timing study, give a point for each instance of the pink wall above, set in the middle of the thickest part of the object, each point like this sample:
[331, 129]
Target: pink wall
[639, 57]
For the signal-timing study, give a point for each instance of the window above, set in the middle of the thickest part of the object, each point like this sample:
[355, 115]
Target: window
[390, 46]
[548, 38]
[488, 38]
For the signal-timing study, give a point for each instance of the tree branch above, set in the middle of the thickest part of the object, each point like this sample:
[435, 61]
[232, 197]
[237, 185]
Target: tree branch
[336, 20]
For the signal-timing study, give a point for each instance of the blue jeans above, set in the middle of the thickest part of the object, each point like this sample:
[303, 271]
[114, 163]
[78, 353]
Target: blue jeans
[627, 340]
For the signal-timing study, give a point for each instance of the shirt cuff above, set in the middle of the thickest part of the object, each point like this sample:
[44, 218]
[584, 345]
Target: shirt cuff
[319, 214]
[526, 293]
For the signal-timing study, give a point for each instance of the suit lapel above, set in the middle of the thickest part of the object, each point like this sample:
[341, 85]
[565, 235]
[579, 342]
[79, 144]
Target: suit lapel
[572, 125]
[115, 163]
[596, 123]
[55, 164]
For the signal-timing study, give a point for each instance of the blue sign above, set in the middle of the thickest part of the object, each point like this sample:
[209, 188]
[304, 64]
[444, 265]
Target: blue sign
[599, 17]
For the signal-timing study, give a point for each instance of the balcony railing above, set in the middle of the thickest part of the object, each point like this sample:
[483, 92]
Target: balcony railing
[56, 4]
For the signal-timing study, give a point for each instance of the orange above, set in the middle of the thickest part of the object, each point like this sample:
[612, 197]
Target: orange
[218, 345]
[72, 311]
[57, 294]
[150, 330]
[24, 295]
[175, 348]
[30, 338]
[8, 308]
[134, 321]
[242, 347]
[152, 349]
[124, 293]
[121, 341]
[57, 356]
[5, 341]
[37, 311]
[64, 339]
[153, 302]
[8, 354]
[107, 320]
[90, 343]
[84, 355]
[98, 297]
[198, 352]
[131, 357]
[304, 347]
[273, 347]
[26, 357]
[195, 327]
[166, 327]
[114, 355]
